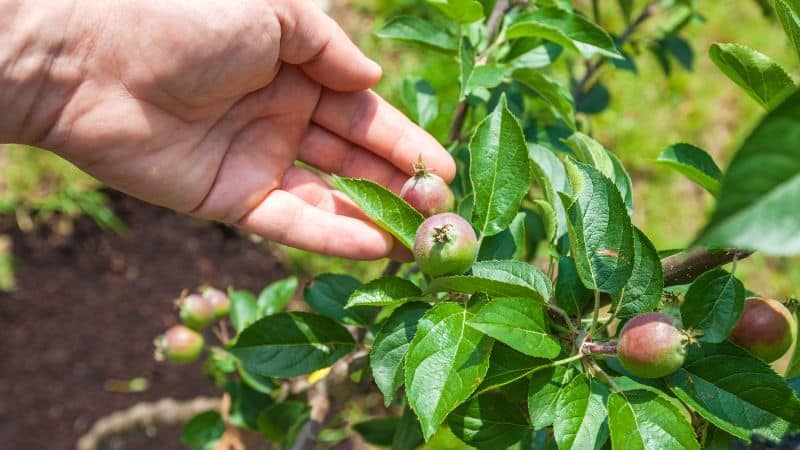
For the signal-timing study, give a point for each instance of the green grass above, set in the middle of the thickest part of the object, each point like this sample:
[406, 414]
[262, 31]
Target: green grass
[35, 186]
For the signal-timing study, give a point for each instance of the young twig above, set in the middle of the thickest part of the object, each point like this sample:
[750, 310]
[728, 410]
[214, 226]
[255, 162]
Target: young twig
[685, 267]
[493, 24]
[163, 413]
[593, 67]
[320, 406]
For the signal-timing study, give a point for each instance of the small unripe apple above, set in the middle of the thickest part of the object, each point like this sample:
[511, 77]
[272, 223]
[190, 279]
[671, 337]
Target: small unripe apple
[219, 301]
[179, 344]
[196, 311]
[766, 329]
[445, 244]
[651, 346]
[427, 192]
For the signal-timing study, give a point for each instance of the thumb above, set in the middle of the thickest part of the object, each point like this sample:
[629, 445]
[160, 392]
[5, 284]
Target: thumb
[316, 43]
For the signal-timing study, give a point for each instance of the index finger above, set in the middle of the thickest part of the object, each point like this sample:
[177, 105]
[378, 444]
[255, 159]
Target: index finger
[367, 120]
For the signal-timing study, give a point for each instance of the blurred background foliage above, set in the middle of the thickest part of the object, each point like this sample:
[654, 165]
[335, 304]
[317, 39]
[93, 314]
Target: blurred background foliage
[673, 96]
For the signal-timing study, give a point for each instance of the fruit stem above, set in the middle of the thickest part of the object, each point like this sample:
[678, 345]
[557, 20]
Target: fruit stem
[599, 371]
[567, 360]
[602, 348]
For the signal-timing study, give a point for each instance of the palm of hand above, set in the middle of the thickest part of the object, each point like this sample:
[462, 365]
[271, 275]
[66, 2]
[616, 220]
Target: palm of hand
[209, 114]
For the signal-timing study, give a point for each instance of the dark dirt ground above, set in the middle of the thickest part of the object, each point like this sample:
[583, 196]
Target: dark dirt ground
[86, 310]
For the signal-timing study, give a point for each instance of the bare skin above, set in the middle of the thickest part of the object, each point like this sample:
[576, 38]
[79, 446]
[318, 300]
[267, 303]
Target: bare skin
[205, 107]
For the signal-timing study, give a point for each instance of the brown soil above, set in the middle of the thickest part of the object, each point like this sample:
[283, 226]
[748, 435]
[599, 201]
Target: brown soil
[86, 310]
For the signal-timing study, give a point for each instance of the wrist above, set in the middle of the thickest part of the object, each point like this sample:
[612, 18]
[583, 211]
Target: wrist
[40, 66]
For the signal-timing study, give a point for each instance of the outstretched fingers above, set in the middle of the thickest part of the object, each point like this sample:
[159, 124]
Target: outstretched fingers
[316, 43]
[367, 120]
[306, 213]
[332, 154]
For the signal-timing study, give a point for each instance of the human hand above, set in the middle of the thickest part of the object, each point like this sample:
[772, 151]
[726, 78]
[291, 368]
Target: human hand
[204, 107]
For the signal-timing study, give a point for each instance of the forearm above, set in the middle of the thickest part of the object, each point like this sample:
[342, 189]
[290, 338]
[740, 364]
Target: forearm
[38, 66]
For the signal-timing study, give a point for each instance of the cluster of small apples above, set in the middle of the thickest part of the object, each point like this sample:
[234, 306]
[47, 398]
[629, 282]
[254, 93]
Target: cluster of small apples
[652, 346]
[445, 243]
[183, 343]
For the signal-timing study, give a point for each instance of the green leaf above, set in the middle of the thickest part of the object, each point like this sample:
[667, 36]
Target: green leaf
[486, 77]
[488, 422]
[553, 169]
[446, 361]
[276, 296]
[498, 170]
[498, 279]
[292, 343]
[548, 172]
[756, 73]
[735, 391]
[788, 12]
[246, 405]
[760, 194]
[601, 234]
[244, 309]
[419, 31]
[511, 243]
[385, 291]
[420, 98]
[642, 292]
[794, 383]
[537, 57]
[466, 57]
[203, 431]
[713, 303]
[329, 293]
[462, 11]
[694, 163]
[519, 235]
[544, 390]
[387, 210]
[644, 420]
[218, 365]
[623, 182]
[519, 323]
[281, 421]
[716, 439]
[571, 295]
[567, 29]
[378, 431]
[554, 93]
[507, 365]
[549, 219]
[408, 435]
[388, 355]
[591, 152]
[259, 383]
[581, 415]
